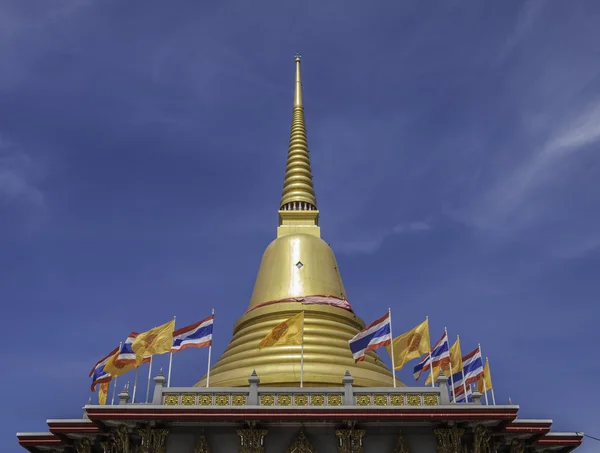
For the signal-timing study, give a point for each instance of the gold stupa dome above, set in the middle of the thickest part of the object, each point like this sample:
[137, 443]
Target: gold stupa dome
[297, 265]
[298, 272]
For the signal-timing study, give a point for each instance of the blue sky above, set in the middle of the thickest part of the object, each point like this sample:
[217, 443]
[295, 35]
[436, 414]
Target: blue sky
[455, 150]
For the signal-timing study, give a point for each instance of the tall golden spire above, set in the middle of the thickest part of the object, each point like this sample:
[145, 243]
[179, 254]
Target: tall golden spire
[298, 206]
[298, 272]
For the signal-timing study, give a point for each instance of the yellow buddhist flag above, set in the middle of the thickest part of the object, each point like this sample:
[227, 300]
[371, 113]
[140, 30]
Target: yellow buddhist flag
[116, 367]
[103, 393]
[487, 378]
[410, 345]
[453, 367]
[155, 341]
[456, 356]
[289, 332]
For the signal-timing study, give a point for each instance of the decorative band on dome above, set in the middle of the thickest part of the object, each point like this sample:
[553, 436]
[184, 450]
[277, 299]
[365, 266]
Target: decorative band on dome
[310, 300]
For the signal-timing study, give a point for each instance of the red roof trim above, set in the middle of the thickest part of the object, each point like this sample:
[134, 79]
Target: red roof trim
[560, 440]
[39, 440]
[299, 414]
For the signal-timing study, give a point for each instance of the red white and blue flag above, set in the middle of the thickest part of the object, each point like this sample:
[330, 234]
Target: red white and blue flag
[440, 355]
[375, 335]
[98, 374]
[126, 355]
[473, 366]
[198, 335]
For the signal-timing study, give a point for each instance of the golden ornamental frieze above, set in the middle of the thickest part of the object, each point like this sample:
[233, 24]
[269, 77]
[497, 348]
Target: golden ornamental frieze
[482, 439]
[252, 440]
[83, 445]
[301, 445]
[401, 446]
[153, 440]
[202, 444]
[449, 440]
[350, 440]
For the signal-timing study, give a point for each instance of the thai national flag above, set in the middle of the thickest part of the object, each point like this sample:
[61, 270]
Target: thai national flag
[198, 335]
[376, 334]
[98, 374]
[440, 354]
[461, 398]
[473, 366]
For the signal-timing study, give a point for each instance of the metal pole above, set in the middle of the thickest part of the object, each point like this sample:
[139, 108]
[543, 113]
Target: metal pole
[135, 384]
[484, 386]
[210, 350]
[171, 357]
[392, 347]
[451, 371]
[149, 376]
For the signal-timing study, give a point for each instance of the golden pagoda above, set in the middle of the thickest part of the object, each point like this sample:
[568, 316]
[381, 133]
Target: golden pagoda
[298, 272]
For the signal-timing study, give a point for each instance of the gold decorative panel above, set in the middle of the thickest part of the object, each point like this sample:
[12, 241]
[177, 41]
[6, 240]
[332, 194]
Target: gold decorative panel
[430, 399]
[350, 440]
[285, 399]
[449, 440]
[401, 446]
[252, 440]
[334, 399]
[238, 400]
[222, 399]
[83, 446]
[301, 445]
[153, 440]
[317, 399]
[188, 400]
[413, 399]
[267, 399]
[202, 445]
[171, 400]
[363, 400]
[380, 399]
[301, 399]
[205, 400]
[397, 399]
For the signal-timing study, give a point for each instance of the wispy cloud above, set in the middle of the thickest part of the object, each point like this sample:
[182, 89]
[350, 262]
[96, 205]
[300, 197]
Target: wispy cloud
[16, 186]
[375, 241]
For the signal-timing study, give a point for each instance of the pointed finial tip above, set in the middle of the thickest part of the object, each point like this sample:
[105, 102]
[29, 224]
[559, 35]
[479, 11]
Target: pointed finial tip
[298, 56]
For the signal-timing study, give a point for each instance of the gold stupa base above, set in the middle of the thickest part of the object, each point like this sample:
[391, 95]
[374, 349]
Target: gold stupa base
[327, 354]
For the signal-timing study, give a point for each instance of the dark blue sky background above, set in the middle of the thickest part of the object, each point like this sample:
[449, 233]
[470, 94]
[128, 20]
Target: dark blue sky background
[455, 150]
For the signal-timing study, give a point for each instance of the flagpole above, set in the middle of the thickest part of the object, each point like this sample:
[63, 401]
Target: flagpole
[149, 376]
[210, 350]
[430, 364]
[302, 353]
[492, 389]
[484, 386]
[115, 385]
[112, 402]
[462, 370]
[171, 357]
[392, 347]
[135, 384]
[451, 371]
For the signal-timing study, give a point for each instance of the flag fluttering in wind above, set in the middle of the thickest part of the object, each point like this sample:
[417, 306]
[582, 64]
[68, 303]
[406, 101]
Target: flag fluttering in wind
[289, 332]
[98, 374]
[447, 366]
[410, 345]
[197, 335]
[473, 366]
[485, 383]
[439, 356]
[375, 335]
[103, 393]
[125, 359]
[158, 340]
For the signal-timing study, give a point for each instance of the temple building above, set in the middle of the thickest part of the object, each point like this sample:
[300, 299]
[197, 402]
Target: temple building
[283, 399]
